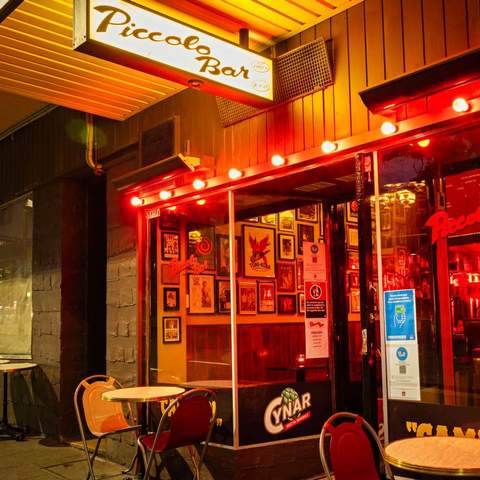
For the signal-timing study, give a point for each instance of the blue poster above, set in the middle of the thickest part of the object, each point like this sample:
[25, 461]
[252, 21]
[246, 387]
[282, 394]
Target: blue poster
[400, 316]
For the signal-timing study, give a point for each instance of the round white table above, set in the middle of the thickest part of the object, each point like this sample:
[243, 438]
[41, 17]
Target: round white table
[142, 394]
[18, 433]
[436, 457]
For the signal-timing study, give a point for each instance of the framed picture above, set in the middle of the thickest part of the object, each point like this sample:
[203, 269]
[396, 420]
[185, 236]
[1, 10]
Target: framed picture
[301, 302]
[286, 277]
[300, 279]
[308, 213]
[171, 299]
[286, 246]
[266, 297]
[399, 212]
[286, 221]
[352, 212]
[171, 329]
[386, 219]
[170, 242]
[224, 304]
[354, 301]
[321, 222]
[252, 220]
[352, 236]
[200, 244]
[169, 276]
[247, 298]
[305, 233]
[287, 303]
[223, 255]
[352, 260]
[353, 281]
[270, 219]
[201, 293]
[258, 251]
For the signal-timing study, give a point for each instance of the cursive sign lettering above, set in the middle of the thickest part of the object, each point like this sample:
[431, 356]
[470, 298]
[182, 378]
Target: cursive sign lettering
[442, 225]
[115, 18]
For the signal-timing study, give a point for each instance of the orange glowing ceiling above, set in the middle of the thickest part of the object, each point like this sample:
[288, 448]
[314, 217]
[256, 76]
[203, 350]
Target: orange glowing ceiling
[37, 60]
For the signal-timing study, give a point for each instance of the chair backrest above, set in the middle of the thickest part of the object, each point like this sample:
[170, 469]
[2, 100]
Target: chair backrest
[100, 416]
[193, 418]
[350, 448]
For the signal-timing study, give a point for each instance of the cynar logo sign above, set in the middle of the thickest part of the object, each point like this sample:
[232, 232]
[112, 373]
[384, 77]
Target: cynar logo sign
[287, 411]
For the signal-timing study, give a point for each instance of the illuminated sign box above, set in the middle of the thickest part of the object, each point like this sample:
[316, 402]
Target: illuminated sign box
[144, 39]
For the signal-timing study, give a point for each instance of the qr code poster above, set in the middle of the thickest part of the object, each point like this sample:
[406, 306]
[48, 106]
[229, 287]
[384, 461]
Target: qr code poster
[403, 372]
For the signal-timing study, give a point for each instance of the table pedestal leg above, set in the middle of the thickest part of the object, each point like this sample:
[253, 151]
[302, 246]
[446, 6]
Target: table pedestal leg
[18, 433]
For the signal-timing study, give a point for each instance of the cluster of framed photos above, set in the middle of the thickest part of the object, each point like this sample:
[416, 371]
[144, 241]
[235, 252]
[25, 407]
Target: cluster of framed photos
[269, 270]
[352, 273]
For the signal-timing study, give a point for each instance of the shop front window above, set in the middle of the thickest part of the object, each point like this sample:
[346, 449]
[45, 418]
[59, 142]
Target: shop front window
[16, 224]
[429, 204]
[190, 321]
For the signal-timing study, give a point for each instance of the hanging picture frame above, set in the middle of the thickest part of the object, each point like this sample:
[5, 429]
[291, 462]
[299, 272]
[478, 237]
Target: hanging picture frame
[258, 251]
[266, 296]
[171, 299]
[201, 240]
[170, 244]
[352, 211]
[286, 221]
[223, 255]
[224, 298]
[300, 279]
[286, 246]
[287, 304]
[171, 329]
[352, 236]
[201, 293]
[269, 219]
[308, 213]
[286, 277]
[305, 233]
[168, 275]
[301, 302]
[247, 298]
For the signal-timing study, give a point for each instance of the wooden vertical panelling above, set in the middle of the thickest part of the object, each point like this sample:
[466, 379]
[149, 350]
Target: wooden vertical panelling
[280, 128]
[393, 39]
[308, 121]
[318, 121]
[288, 128]
[271, 134]
[456, 26]
[342, 81]
[412, 34]
[358, 67]
[375, 53]
[324, 30]
[433, 30]
[298, 127]
[262, 139]
[473, 15]
[253, 141]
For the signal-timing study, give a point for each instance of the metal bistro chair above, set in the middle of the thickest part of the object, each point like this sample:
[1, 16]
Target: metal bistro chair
[102, 418]
[191, 422]
[350, 448]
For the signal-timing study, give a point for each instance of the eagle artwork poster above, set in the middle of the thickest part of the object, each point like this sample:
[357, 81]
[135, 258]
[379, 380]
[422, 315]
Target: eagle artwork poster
[259, 251]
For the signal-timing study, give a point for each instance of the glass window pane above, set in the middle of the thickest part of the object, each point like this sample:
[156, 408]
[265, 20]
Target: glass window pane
[16, 223]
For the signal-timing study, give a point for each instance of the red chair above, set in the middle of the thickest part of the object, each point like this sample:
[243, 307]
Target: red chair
[350, 448]
[191, 422]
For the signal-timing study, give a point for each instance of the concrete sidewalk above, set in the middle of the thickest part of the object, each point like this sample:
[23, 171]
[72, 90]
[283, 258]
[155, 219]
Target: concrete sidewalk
[39, 459]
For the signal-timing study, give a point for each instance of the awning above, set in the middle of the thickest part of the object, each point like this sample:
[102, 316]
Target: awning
[451, 72]
[37, 60]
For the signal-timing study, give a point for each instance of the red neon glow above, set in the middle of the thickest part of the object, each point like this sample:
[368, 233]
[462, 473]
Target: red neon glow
[198, 184]
[388, 128]
[460, 105]
[136, 202]
[442, 226]
[328, 146]
[278, 160]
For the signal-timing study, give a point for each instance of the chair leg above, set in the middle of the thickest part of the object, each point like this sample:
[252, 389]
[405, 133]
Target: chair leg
[92, 458]
[132, 463]
[197, 462]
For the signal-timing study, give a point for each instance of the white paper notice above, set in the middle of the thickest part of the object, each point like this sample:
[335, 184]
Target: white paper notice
[316, 312]
[403, 371]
